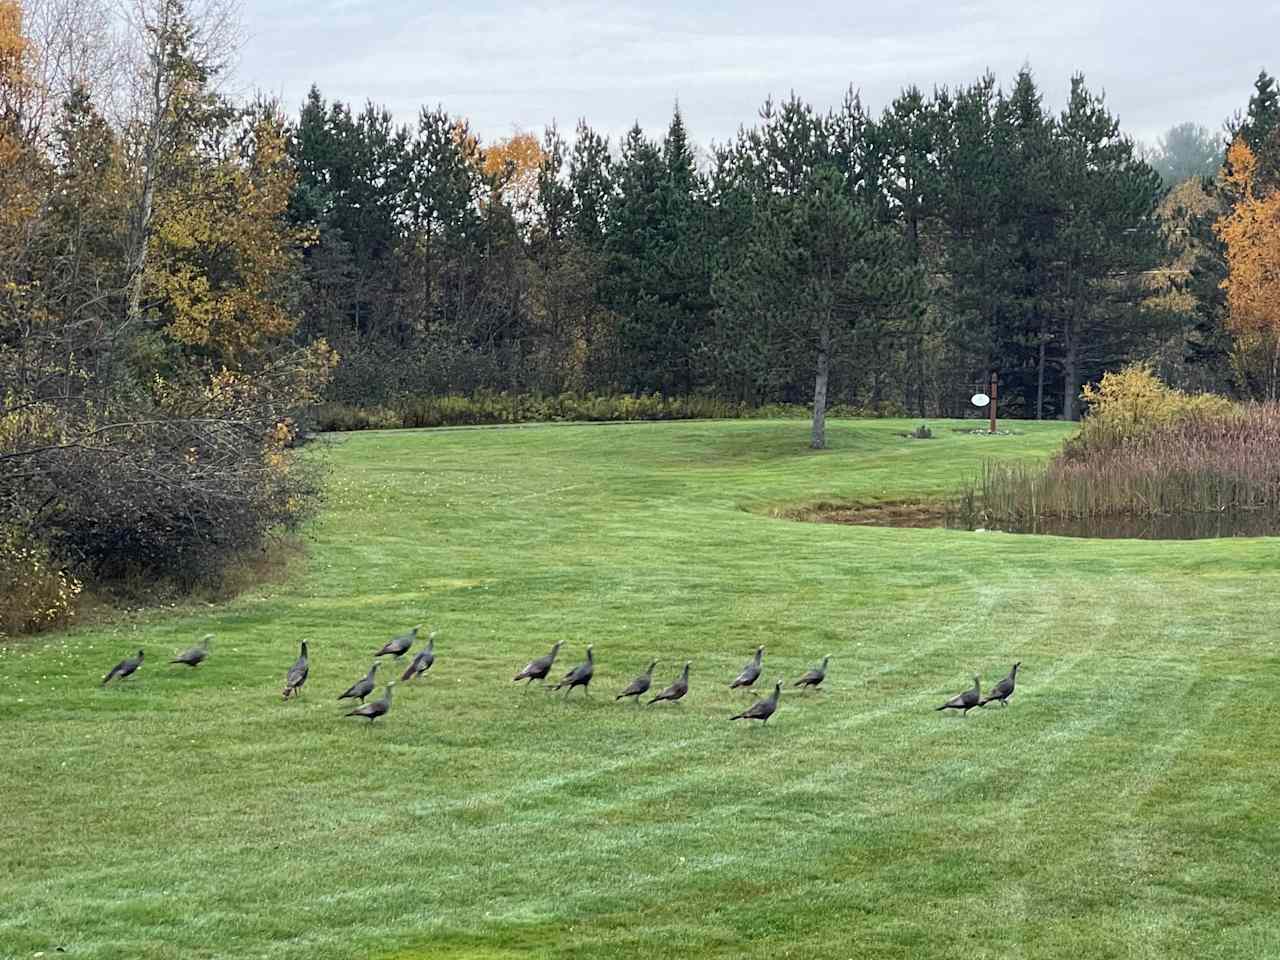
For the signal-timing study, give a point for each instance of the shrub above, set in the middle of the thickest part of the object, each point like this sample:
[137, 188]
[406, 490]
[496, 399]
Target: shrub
[1132, 403]
[170, 485]
[166, 499]
[34, 594]
[485, 408]
[341, 417]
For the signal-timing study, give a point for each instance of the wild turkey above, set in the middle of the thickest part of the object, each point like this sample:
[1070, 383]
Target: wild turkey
[1003, 690]
[362, 687]
[579, 676]
[423, 661]
[678, 688]
[297, 674]
[762, 709]
[124, 668]
[813, 679]
[375, 708]
[639, 685]
[964, 701]
[397, 646]
[196, 655]
[750, 672]
[539, 668]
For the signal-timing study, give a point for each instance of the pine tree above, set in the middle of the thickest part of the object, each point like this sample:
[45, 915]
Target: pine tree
[741, 358]
[818, 273]
[1107, 236]
[591, 181]
[632, 239]
[979, 245]
[1263, 116]
[659, 272]
[1027, 151]
[998, 168]
[1186, 150]
[906, 138]
[351, 181]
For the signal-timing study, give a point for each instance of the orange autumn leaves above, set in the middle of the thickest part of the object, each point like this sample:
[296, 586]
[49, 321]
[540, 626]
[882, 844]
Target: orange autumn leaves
[1251, 233]
[509, 166]
[512, 165]
[13, 52]
[17, 196]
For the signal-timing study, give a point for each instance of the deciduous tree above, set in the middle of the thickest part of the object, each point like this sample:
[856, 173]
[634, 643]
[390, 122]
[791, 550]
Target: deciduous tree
[1251, 234]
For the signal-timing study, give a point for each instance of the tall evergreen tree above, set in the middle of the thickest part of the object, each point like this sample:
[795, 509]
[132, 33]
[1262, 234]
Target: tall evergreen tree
[590, 179]
[1027, 151]
[819, 272]
[632, 237]
[906, 138]
[1263, 115]
[979, 246]
[1186, 150]
[352, 177]
[659, 270]
[561, 292]
[1107, 236]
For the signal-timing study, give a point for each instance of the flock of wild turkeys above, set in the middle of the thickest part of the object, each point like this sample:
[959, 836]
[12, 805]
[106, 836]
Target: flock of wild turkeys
[539, 669]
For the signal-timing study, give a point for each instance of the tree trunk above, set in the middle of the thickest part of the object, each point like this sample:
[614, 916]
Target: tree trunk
[913, 240]
[920, 390]
[144, 206]
[1040, 372]
[1069, 385]
[819, 440]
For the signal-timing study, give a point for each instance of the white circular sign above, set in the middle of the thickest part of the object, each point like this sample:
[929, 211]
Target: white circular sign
[979, 399]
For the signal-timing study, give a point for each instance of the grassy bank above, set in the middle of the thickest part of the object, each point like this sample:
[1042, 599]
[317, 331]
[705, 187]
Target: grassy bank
[1122, 807]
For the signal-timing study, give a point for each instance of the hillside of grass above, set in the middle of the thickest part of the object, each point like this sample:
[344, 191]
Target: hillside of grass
[1123, 805]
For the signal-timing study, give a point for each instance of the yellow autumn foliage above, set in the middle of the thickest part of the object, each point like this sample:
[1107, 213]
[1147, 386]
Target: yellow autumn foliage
[512, 166]
[34, 593]
[1251, 234]
[1133, 401]
[19, 199]
[223, 249]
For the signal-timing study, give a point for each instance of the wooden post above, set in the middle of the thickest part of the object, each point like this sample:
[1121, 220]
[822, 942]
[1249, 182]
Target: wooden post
[992, 405]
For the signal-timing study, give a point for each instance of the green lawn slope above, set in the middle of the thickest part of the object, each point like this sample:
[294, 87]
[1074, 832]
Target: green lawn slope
[1125, 805]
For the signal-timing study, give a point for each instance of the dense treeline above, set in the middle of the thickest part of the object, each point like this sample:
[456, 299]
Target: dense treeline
[907, 253]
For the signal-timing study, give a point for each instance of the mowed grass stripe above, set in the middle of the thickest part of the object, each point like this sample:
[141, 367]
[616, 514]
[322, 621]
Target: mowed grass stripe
[1119, 807]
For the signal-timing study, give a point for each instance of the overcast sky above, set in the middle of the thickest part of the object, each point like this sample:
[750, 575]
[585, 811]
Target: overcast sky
[520, 65]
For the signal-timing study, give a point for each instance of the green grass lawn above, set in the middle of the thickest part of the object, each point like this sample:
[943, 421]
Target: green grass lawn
[1125, 804]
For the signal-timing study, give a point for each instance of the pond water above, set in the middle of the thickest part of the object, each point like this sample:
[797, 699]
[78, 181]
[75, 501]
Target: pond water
[1191, 526]
[1186, 526]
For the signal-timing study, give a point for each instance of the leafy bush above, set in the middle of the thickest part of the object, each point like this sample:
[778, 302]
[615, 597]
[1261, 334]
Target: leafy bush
[167, 500]
[171, 485]
[342, 417]
[34, 594]
[1134, 402]
[487, 408]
